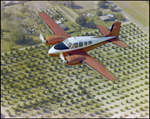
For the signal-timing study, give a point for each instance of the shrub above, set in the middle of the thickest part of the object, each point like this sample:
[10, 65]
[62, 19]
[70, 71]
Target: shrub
[10, 85]
[19, 87]
[78, 93]
[83, 92]
[66, 103]
[36, 83]
[72, 101]
[44, 110]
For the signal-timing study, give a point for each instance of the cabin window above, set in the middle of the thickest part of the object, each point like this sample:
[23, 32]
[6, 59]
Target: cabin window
[90, 42]
[75, 45]
[80, 44]
[85, 43]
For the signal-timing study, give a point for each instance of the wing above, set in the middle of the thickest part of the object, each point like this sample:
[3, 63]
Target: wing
[95, 64]
[53, 26]
[103, 29]
[118, 42]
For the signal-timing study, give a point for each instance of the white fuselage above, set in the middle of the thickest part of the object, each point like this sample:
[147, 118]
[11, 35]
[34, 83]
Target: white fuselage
[82, 42]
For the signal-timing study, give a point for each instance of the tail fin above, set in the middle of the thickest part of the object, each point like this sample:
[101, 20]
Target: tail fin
[115, 29]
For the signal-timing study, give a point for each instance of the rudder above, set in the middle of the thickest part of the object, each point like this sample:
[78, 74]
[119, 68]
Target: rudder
[115, 29]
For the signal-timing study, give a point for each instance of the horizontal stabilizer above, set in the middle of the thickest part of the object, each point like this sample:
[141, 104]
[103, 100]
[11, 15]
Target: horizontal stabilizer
[118, 42]
[103, 29]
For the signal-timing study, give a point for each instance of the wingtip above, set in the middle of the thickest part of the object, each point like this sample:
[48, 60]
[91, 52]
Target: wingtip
[115, 79]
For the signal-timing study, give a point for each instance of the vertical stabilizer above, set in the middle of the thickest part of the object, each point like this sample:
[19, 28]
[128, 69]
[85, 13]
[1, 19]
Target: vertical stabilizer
[115, 29]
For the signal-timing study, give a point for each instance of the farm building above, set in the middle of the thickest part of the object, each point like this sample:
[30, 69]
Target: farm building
[89, 15]
[108, 17]
[61, 24]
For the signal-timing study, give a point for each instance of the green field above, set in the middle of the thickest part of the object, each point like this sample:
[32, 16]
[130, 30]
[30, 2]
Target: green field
[30, 19]
[34, 83]
[140, 10]
[69, 11]
[98, 21]
[85, 6]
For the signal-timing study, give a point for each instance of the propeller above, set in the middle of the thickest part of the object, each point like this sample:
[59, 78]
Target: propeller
[62, 57]
[41, 37]
[116, 20]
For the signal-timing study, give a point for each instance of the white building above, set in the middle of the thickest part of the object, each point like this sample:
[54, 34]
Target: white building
[108, 17]
[89, 15]
[61, 24]
[58, 22]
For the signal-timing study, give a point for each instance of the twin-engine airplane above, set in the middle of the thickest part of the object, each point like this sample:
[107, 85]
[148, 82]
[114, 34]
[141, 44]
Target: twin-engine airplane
[72, 50]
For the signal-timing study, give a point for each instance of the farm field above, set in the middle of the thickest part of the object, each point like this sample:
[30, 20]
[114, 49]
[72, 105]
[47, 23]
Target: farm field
[34, 84]
[33, 26]
[69, 11]
[29, 19]
[140, 10]
[85, 6]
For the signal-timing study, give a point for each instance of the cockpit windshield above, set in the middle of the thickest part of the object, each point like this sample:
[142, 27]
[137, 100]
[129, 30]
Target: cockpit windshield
[67, 43]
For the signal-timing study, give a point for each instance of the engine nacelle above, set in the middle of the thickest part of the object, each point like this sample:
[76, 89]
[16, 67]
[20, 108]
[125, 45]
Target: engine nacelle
[74, 59]
[52, 40]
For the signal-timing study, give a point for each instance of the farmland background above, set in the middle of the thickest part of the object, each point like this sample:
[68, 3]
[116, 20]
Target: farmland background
[32, 83]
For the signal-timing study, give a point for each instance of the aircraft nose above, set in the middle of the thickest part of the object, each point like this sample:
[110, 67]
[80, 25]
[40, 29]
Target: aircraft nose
[51, 51]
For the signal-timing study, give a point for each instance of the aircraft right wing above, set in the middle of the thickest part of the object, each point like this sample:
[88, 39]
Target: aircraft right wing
[94, 64]
[54, 27]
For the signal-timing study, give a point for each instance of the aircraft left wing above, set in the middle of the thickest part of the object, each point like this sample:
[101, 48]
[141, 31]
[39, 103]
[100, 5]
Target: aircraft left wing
[95, 64]
[54, 27]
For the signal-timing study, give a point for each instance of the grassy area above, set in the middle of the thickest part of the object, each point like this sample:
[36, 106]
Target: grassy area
[140, 10]
[34, 83]
[30, 19]
[67, 11]
[97, 21]
[7, 46]
[84, 6]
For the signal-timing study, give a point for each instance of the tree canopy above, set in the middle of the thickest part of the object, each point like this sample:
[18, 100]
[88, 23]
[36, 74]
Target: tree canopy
[17, 35]
[81, 20]
[101, 4]
[120, 17]
[91, 23]
[111, 7]
[70, 4]
[99, 13]
[78, 28]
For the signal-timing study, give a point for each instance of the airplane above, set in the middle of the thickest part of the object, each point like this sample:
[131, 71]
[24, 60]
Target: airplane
[73, 50]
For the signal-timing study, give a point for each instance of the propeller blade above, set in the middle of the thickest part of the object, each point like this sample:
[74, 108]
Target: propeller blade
[62, 57]
[41, 37]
